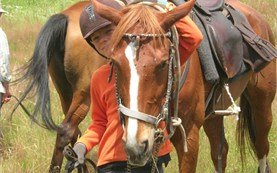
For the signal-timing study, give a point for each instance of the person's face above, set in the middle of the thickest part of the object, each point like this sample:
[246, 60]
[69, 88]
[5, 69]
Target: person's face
[101, 39]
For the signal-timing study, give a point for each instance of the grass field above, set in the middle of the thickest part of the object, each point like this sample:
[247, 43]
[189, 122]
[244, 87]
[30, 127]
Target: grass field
[27, 148]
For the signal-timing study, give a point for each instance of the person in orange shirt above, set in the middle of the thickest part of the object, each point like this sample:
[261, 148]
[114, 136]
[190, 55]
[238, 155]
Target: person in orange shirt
[106, 130]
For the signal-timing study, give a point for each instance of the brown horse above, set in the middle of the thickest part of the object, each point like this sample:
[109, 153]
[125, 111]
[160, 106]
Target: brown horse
[61, 51]
[141, 58]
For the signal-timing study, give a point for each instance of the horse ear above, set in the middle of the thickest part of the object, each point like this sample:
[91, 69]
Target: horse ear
[107, 12]
[169, 18]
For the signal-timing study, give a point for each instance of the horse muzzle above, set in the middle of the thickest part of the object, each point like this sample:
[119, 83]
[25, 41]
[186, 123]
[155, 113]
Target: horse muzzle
[139, 154]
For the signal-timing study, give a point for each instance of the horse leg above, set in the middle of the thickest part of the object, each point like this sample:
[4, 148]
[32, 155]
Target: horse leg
[192, 120]
[68, 130]
[219, 147]
[262, 117]
[63, 87]
[256, 114]
[256, 106]
[187, 160]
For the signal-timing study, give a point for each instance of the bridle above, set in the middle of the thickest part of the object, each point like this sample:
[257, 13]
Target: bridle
[170, 104]
[154, 120]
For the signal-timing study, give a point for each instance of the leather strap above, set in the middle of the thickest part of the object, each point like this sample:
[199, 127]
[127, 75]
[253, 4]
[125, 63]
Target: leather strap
[72, 158]
[263, 47]
[138, 115]
[184, 74]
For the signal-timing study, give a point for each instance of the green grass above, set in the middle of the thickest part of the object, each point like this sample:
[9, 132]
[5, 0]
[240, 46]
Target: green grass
[27, 148]
[34, 10]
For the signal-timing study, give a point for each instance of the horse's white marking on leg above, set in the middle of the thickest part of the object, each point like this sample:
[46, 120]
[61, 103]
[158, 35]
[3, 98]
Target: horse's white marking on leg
[130, 53]
[262, 164]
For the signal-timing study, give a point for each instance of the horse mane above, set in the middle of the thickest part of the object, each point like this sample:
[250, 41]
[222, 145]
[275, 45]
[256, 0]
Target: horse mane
[137, 15]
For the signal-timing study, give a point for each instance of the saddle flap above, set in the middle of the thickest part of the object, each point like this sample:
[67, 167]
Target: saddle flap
[211, 5]
[226, 43]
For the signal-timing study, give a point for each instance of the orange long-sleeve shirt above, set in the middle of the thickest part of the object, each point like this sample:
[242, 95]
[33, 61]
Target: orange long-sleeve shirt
[189, 37]
[106, 130]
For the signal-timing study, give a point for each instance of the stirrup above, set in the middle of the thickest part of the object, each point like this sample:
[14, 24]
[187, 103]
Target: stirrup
[233, 109]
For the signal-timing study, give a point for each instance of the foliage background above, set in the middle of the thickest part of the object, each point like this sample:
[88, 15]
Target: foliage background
[26, 148]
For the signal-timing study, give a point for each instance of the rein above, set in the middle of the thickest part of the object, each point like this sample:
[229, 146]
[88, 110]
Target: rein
[19, 103]
[72, 158]
[68, 151]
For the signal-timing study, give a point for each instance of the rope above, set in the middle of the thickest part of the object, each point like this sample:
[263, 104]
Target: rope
[236, 109]
[177, 122]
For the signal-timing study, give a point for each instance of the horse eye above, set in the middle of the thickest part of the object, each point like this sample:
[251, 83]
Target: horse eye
[162, 65]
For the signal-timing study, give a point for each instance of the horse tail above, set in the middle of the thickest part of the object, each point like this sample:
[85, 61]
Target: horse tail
[245, 127]
[49, 44]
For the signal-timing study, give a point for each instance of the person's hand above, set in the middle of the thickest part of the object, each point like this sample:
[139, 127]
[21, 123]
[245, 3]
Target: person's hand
[80, 150]
[6, 96]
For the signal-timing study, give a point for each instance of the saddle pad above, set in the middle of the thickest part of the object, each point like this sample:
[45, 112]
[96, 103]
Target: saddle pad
[205, 54]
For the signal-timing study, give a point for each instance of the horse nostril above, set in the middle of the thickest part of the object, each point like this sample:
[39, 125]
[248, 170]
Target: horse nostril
[145, 144]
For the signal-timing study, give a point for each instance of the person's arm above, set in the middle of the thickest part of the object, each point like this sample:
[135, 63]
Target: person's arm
[5, 75]
[96, 130]
[189, 37]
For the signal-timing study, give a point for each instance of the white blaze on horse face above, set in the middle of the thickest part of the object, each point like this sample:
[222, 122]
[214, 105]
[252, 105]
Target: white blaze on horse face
[262, 164]
[130, 53]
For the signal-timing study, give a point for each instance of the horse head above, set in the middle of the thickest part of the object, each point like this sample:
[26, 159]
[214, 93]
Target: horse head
[141, 54]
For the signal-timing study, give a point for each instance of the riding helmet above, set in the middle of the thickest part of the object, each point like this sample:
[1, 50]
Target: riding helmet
[90, 21]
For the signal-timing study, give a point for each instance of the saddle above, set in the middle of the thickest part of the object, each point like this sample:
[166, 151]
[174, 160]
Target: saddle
[232, 39]
[211, 5]
[225, 40]
[232, 42]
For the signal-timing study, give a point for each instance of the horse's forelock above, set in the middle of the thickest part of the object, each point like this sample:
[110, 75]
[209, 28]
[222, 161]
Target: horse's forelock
[137, 15]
